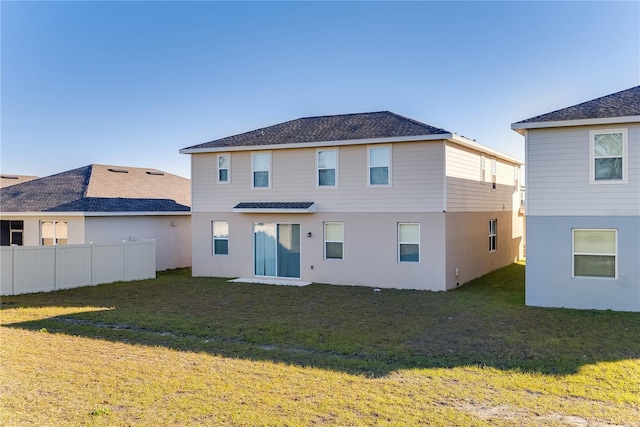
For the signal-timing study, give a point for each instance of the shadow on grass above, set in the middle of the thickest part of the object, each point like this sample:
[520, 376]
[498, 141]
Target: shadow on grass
[343, 328]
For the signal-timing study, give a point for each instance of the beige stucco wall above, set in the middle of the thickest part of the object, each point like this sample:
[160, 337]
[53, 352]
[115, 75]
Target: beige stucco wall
[370, 248]
[172, 234]
[467, 244]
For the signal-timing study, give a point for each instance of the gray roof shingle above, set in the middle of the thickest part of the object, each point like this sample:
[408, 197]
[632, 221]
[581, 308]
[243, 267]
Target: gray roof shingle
[344, 127]
[96, 188]
[625, 103]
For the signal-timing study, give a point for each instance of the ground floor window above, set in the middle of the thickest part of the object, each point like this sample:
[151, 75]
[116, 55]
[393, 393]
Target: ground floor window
[493, 235]
[220, 231]
[11, 232]
[595, 253]
[408, 242]
[53, 233]
[276, 250]
[333, 240]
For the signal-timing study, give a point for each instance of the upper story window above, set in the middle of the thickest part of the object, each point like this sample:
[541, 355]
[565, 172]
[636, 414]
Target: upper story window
[224, 168]
[379, 165]
[327, 162]
[608, 152]
[53, 233]
[483, 168]
[494, 173]
[261, 167]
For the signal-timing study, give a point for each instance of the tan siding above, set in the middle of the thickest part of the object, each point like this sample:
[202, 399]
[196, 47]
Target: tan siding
[466, 192]
[558, 175]
[417, 186]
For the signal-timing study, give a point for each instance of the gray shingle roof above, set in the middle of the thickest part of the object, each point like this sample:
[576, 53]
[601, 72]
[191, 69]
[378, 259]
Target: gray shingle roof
[95, 188]
[344, 127]
[273, 205]
[620, 104]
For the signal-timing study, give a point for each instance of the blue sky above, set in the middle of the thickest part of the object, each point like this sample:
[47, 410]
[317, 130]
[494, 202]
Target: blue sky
[130, 83]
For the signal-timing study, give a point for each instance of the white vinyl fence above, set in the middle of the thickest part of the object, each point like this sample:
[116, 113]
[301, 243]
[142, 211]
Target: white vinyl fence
[25, 269]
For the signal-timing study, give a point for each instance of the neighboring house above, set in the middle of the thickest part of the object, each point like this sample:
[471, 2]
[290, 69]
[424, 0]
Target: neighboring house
[372, 199]
[101, 204]
[583, 204]
[9, 180]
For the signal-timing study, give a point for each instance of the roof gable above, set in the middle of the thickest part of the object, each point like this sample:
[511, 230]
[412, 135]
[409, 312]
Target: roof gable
[625, 103]
[99, 188]
[344, 127]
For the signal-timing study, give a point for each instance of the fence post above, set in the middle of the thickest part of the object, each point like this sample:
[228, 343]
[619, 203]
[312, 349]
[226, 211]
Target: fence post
[93, 265]
[15, 268]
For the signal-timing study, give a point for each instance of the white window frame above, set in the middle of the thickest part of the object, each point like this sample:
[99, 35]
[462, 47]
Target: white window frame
[494, 174]
[483, 168]
[270, 175]
[574, 253]
[55, 230]
[318, 151]
[400, 242]
[516, 177]
[228, 169]
[389, 168]
[214, 238]
[493, 236]
[592, 157]
[324, 230]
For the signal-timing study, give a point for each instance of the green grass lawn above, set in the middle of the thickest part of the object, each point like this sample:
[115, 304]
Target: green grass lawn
[178, 350]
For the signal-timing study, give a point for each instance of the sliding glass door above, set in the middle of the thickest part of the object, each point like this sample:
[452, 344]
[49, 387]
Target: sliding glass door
[276, 250]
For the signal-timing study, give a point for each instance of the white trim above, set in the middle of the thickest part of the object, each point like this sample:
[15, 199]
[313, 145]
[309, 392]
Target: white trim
[93, 214]
[573, 254]
[389, 167]
[269, 177]
[581, 122]
[625, 157]
[465, 142]
[337, 183]
[228, 181]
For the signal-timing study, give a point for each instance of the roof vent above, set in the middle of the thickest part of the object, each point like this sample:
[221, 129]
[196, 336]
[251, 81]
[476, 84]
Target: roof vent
[9, 177]
[118, 170]
[154, 173]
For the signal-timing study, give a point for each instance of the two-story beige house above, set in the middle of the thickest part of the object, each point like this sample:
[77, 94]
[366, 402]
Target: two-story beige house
[373, 199]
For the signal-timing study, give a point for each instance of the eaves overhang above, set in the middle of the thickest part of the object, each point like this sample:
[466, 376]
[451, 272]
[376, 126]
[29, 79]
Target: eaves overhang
[275, 207]
[522, 127]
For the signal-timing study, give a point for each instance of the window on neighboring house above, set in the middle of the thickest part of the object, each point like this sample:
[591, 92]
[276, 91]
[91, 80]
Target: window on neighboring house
[261, 163]
[327, 168]
[408, 242]
[595, 253]
[53, 233]
[379, 165]
[516, 177]
[494, 173]
[608, 156]
[333, 240]
[483, 168]
[224, 168]
[493, 235]
[220, 237]
[11, 232]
